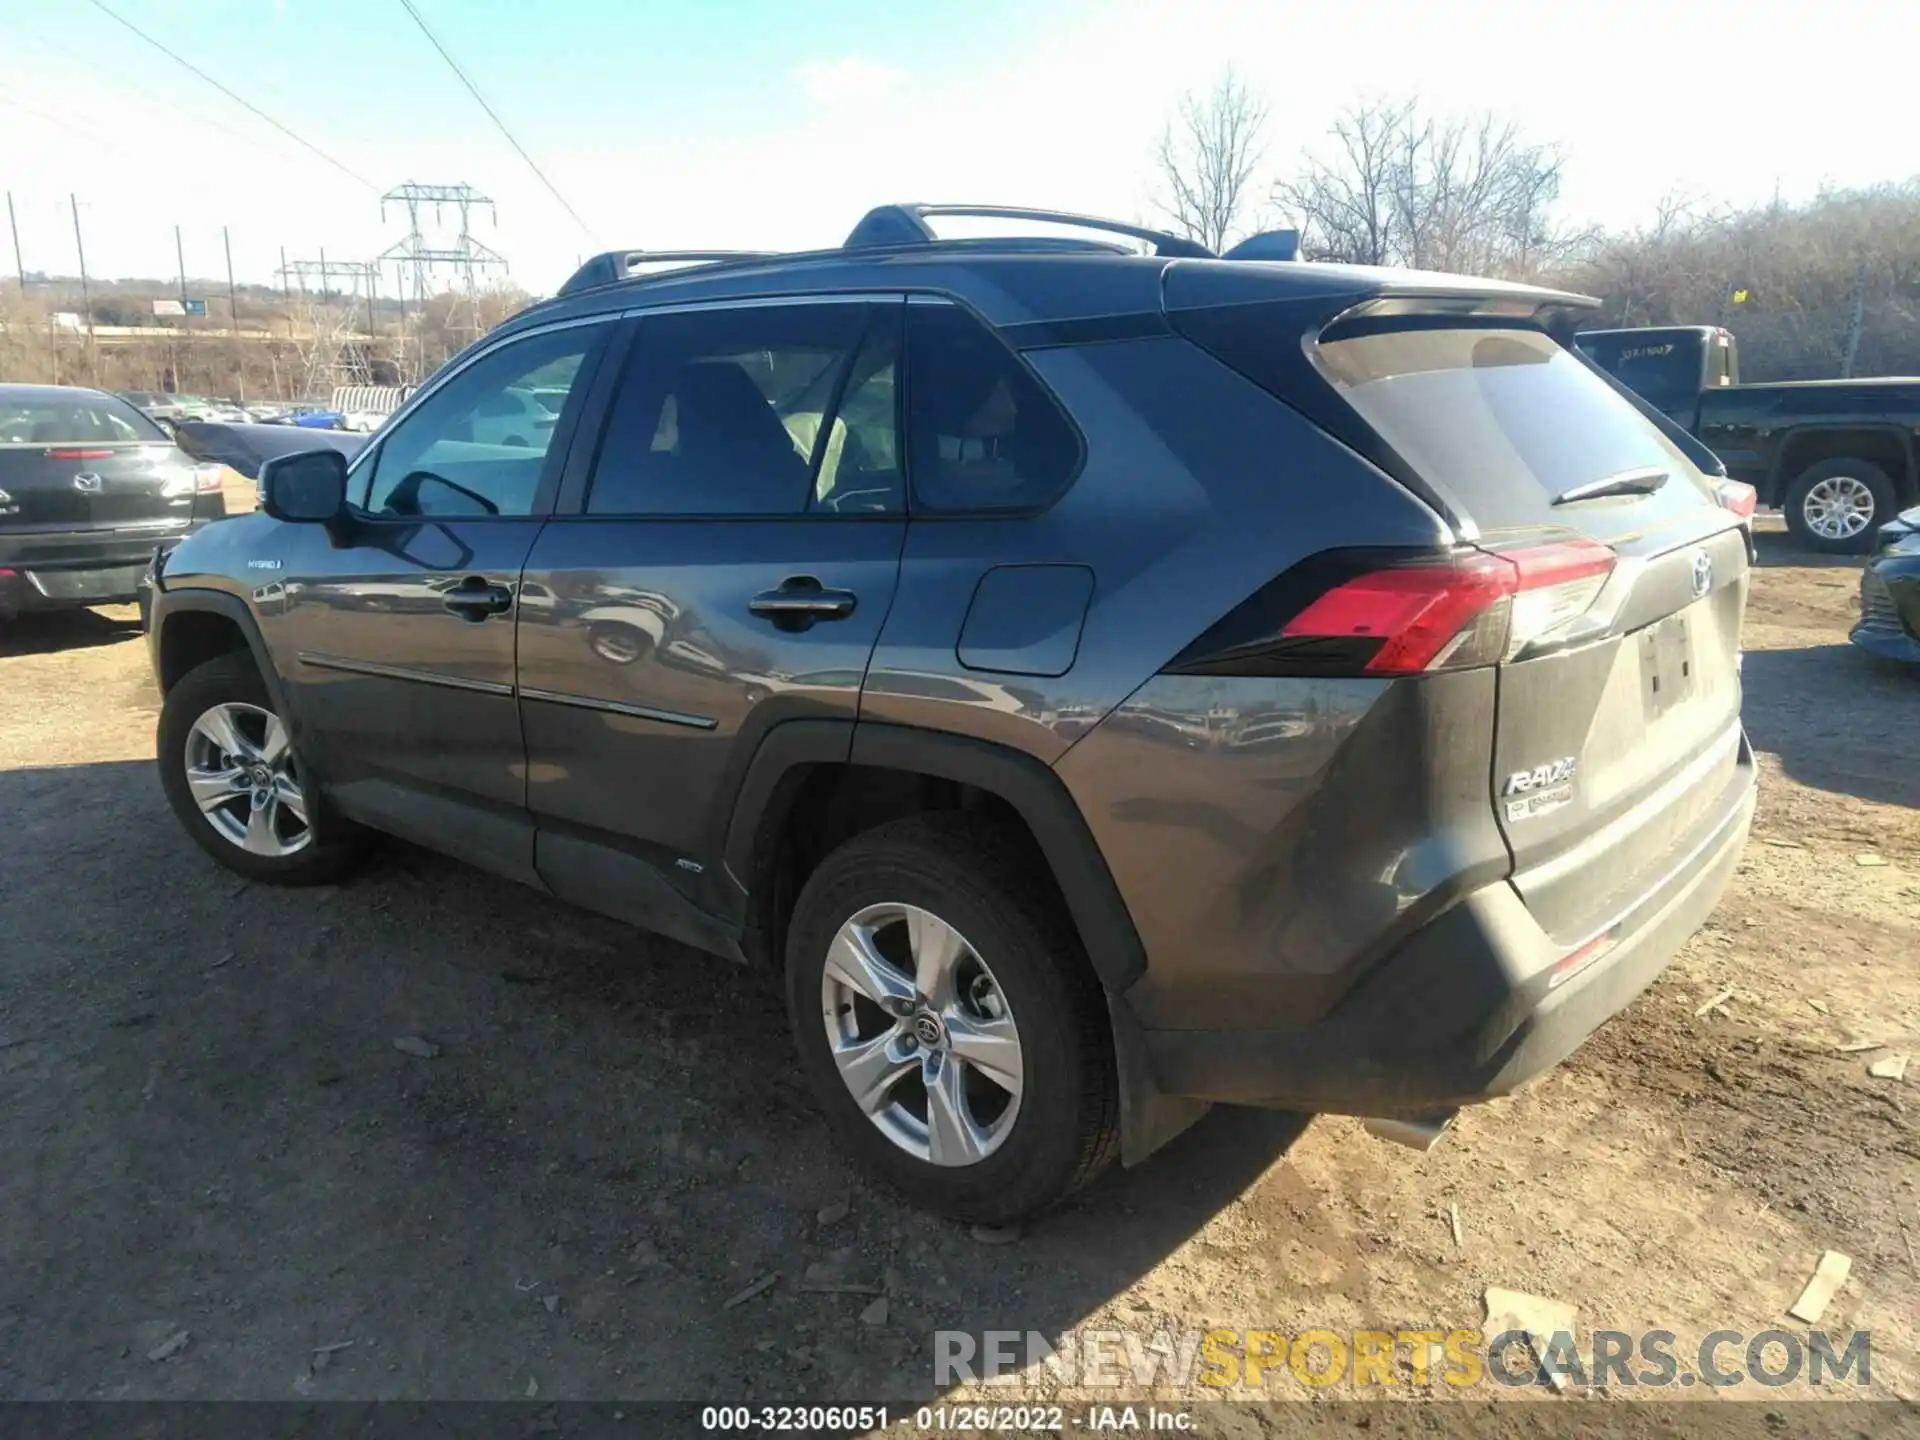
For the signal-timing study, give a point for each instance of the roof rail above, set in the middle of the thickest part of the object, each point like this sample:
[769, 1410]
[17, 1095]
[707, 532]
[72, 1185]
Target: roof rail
[907, 225]
[619, 264]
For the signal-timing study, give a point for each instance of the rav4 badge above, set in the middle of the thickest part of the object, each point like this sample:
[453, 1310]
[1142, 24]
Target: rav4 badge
[1545, 787]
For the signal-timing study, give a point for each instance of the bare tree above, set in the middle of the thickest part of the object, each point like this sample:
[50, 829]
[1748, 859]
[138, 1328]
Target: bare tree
[1206, 157]
[1346, 206]
[1401, 187]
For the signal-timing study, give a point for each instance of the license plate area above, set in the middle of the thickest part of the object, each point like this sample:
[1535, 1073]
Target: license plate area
[1668, 667]
[88, 584]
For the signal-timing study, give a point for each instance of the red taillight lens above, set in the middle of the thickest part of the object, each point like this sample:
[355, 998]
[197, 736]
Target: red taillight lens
[207, 479]
[67, 454]
[1574, 961]
[1742, 499]
[1476, 609]
[1415, 613]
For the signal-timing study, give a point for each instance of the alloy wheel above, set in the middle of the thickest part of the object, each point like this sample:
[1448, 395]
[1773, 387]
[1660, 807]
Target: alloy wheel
[1838, 507]
[241, 772]
[922, 1035]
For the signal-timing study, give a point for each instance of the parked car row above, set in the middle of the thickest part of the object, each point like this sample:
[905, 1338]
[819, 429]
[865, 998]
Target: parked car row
[170, 410]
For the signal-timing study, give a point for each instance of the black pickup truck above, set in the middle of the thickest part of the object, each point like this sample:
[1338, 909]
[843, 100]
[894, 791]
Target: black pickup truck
[1839, 457]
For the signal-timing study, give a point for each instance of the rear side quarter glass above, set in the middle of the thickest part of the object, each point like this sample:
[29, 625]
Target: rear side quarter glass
[983, 435]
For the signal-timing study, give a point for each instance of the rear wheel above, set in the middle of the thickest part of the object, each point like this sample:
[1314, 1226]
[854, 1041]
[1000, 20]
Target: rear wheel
[947, 1022]
[229, 769]
[1837, 505]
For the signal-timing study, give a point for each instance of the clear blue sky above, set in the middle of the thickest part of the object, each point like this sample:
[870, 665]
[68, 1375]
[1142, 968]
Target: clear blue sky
[751, 123]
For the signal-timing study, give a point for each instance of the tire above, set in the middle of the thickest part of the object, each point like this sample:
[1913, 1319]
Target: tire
[1063, 1128]
[230, 687]
[1830, 529]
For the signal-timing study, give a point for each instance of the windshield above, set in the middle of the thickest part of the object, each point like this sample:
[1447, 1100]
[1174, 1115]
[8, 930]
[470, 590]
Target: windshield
[73, 419]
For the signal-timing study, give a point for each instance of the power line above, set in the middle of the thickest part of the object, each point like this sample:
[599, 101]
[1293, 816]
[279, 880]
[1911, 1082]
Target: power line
[245, 104]
[474, 91]
[152, 97]
[65, 124]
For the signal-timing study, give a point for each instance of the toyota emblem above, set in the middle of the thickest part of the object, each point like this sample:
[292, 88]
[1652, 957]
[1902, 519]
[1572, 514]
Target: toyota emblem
[1702, 574]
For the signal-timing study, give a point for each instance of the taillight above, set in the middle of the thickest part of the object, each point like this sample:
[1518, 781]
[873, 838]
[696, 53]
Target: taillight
[1470, 607]
[207, 479]
[1474, 610]
[74, 454]
[1742, 499]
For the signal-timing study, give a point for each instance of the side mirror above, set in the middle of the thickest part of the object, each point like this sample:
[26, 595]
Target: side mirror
[310, 487]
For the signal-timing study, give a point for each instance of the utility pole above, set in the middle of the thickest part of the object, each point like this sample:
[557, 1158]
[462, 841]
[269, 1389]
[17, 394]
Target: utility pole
[14, 225]
[186, 323]
[1853, 323]
[286, 295]
[233, 317]
[86, 299]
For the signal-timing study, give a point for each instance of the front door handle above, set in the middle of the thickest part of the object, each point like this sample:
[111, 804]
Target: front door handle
[800, 601]
[475, 599]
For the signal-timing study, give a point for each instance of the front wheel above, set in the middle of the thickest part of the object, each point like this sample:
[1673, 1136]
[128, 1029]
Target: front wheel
[228, 767]
[947, 1020]
[1836, 506]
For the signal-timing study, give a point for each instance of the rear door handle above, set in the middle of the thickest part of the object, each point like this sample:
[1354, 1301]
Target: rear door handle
[475, 599]
[800, 601]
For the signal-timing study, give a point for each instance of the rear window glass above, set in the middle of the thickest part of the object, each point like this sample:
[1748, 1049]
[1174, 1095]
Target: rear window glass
[72, 419]
[1665, 369]
[1505, 419]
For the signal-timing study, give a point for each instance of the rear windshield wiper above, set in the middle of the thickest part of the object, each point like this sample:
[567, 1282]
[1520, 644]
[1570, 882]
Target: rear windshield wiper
[1627, 482]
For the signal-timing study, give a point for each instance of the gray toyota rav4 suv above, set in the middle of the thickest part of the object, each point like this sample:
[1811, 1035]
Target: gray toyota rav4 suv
[1103, 683]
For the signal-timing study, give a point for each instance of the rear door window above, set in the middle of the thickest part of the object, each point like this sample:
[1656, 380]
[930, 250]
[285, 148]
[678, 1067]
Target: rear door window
[982, 433]
[1506, 420]
[762, 410]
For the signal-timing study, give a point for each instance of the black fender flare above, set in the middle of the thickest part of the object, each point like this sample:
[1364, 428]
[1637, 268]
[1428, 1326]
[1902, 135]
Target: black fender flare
[194, 599]
[1037, 795]
[765, 794]
[1779, 476]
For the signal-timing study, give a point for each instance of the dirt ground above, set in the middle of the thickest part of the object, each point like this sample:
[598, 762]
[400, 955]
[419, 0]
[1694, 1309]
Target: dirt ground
[205, 1126]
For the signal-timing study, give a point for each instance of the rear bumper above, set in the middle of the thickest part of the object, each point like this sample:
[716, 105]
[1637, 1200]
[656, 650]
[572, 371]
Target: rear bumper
[61, 570]
[1467, 1009]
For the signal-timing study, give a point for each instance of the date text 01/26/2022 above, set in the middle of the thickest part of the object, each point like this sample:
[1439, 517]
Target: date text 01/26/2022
[1021, 1419]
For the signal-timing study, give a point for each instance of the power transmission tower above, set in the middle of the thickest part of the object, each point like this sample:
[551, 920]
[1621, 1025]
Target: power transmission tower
[416, 258]
[335, 354]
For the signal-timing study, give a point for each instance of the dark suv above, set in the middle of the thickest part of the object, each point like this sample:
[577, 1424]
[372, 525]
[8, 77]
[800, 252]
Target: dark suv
[1105, 683]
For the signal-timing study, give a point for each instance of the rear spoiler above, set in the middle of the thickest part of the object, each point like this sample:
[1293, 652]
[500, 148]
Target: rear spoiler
[247, 447]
